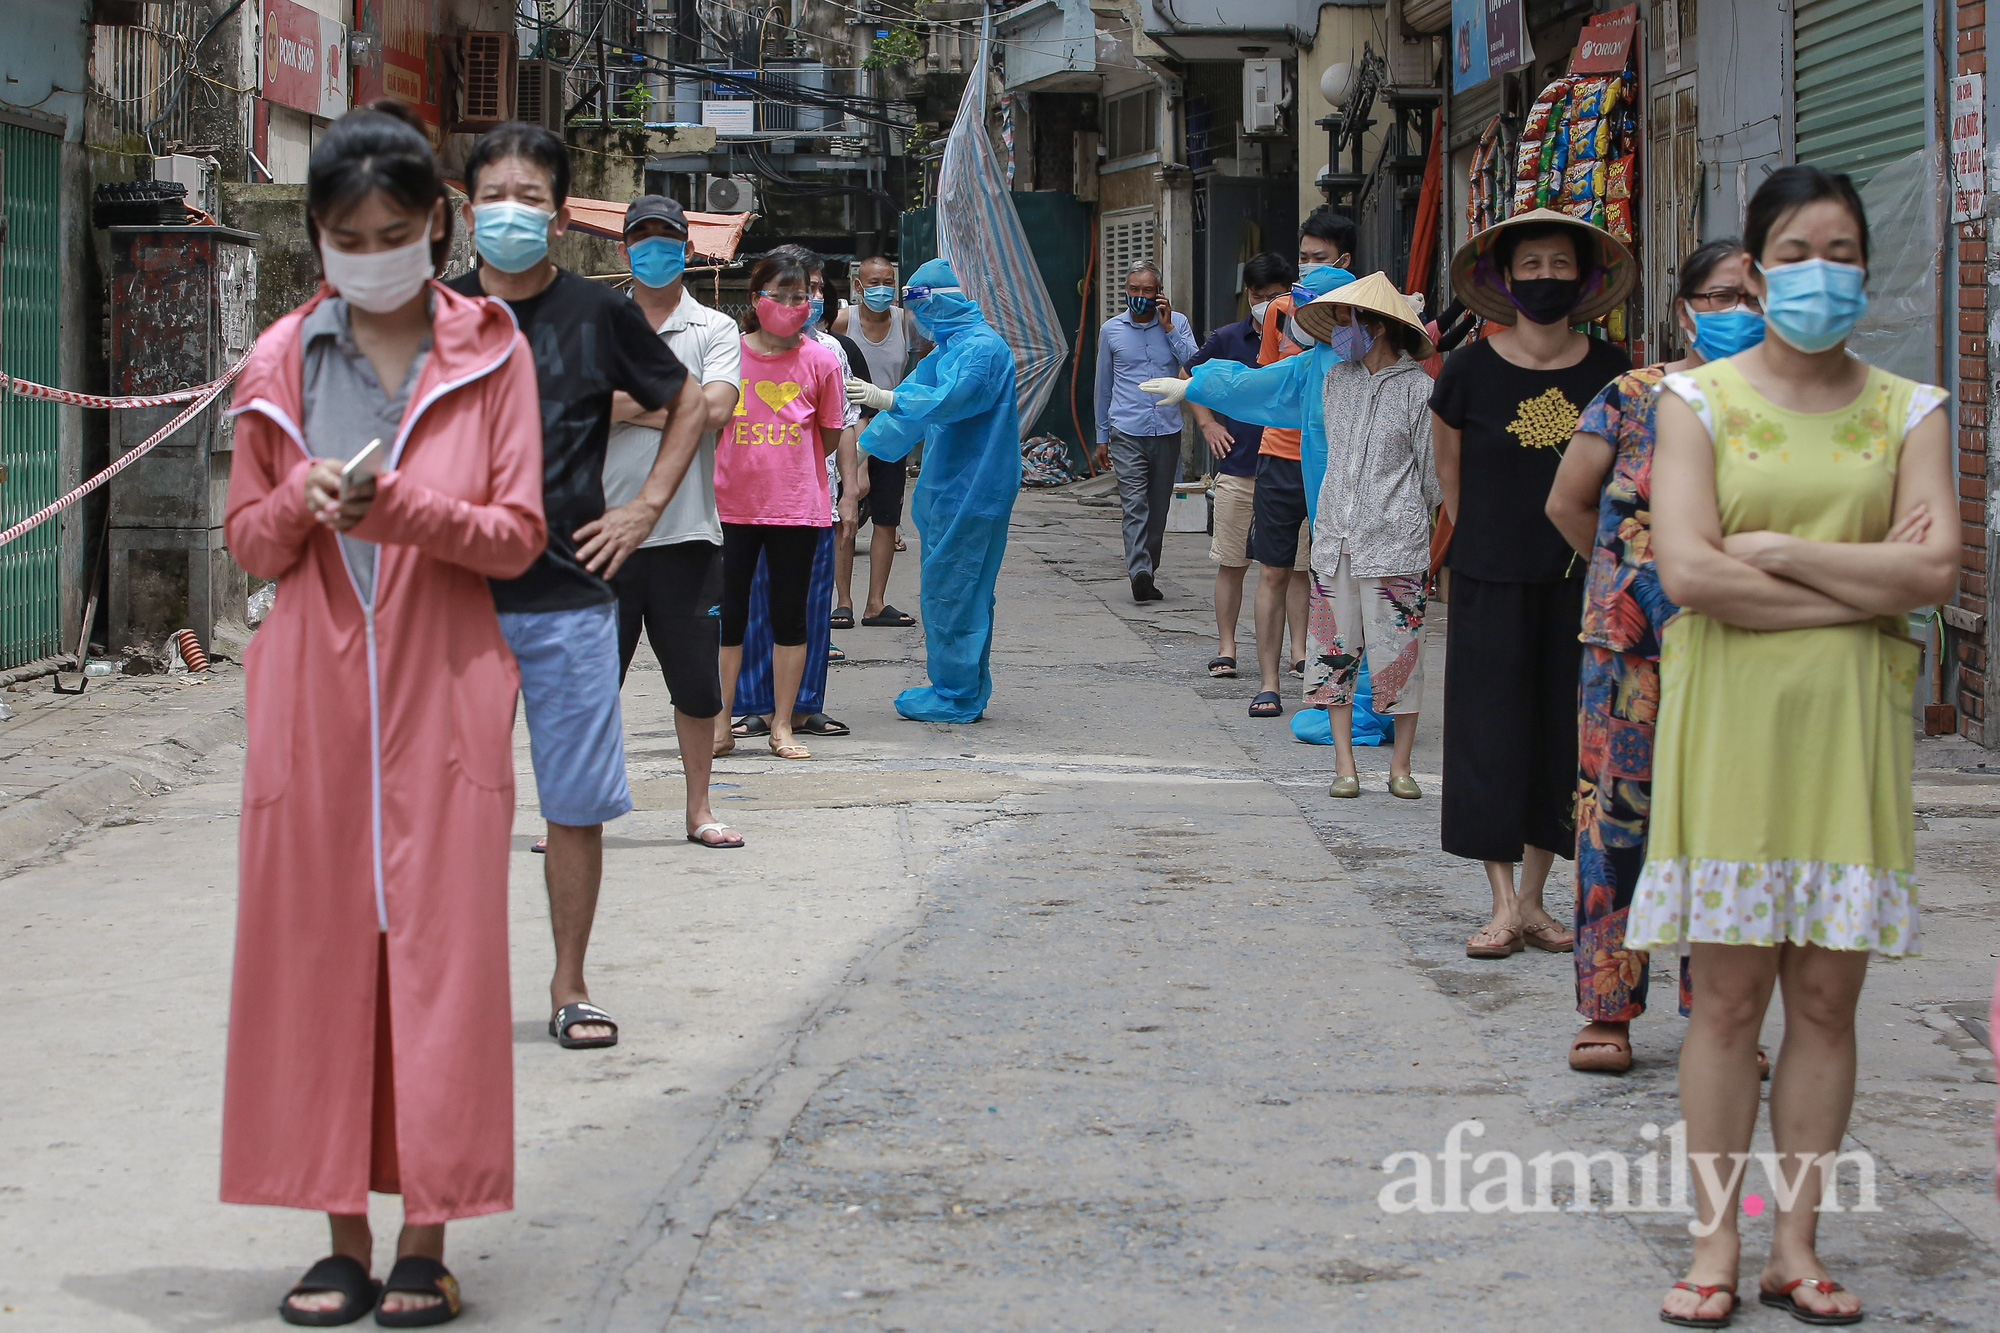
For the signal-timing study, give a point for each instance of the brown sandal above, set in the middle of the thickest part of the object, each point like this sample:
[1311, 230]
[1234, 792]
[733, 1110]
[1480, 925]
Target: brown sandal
[1510, 943]
[1548, 938]
[1610, 1054]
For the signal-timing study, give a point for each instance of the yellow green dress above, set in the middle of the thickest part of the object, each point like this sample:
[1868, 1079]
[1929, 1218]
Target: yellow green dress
[1781, 763]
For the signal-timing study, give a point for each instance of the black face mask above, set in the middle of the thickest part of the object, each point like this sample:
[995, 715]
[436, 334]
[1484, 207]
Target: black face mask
[1546, 300]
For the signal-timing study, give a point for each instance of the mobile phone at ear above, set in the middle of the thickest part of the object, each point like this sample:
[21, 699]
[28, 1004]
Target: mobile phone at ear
[359, 470]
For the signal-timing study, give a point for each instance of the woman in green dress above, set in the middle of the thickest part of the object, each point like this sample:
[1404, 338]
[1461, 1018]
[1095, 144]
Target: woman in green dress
[1794, 493]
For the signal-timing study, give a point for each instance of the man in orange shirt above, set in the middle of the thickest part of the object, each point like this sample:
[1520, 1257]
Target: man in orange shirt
[1280, 535]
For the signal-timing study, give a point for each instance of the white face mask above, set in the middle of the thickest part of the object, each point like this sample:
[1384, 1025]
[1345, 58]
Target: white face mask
[380, 282]
[1257, 313]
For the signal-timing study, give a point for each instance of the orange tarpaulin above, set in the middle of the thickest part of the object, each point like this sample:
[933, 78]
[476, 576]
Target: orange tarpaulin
[711, 235]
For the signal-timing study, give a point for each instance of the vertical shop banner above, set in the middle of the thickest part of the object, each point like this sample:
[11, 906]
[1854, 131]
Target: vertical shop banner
[1968, 147]
[1507, 46]
[305, 60]
[1468, 44]
[1605, 44]
[406, 64]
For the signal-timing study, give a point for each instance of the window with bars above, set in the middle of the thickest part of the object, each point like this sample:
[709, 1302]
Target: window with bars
[1125, 237]
[134, 70]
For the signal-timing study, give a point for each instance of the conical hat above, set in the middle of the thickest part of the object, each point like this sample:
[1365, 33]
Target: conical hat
[1481, 286]
[1374, 293]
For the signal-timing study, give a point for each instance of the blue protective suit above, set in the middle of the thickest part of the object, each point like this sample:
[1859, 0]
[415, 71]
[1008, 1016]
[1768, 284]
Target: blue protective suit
[1289, 393]
[959, 403]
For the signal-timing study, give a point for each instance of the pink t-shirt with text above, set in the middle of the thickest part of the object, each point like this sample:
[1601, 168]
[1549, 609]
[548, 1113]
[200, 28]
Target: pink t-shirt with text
[769, 468]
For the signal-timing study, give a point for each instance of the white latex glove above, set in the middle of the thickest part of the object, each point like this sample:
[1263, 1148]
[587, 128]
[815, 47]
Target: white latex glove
[1168, 389]
[867, 395]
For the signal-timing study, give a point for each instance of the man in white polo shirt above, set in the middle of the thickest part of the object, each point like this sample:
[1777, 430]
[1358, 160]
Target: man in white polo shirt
[673, 581]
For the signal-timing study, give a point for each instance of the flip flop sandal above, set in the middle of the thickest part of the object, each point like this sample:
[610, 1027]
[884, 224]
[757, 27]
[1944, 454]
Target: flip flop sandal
[699, 841]
[414, 1275]
[1703, 1293]
[1781, 1299]
[1600, 1055]
[834, 654]
[819, 724]
[843, 617]
[339, 1273]
[1538, 937]
[1299, 668]
[1222, 666]
[790, 750]
[900, 546]
[1267, 704]
[567, 1017]
[541, 847]
[723, 747]
[1511, 944]
[753, 725]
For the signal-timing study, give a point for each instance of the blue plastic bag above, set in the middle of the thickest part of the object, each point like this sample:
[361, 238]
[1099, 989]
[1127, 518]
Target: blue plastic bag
[1314, 726]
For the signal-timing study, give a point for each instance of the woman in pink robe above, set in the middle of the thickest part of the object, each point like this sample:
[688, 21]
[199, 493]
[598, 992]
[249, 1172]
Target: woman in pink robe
[370, 1033]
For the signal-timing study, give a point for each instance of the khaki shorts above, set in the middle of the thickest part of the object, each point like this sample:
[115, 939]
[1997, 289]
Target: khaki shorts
[1234, 501]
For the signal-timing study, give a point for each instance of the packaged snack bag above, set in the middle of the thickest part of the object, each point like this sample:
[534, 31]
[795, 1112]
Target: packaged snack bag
[1618, 182]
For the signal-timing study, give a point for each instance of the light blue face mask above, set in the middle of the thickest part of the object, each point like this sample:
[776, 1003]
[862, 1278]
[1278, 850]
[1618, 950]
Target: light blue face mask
[878, 298]
[512, 237]
[1721, 333]
[1350, 342]
[1318, 280]
[657, 261]
[817, 309]
[1813, 304]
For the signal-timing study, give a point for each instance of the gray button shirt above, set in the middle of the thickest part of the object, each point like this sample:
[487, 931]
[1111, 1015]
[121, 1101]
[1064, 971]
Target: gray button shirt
[1381, 477]
[345, 408]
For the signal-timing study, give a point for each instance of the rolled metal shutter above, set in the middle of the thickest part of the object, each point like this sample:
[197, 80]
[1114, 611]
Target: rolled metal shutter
[1858, 86]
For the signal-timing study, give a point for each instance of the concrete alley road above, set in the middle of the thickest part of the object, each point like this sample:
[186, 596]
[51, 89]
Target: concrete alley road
[1098, 1014]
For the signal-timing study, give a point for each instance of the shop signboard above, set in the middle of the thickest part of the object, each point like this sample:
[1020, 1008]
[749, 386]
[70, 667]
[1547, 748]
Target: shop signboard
[1968, 147]
[1488, 37]
[305, 60]
[1507, 47]
[1605, 44]
[405, 63]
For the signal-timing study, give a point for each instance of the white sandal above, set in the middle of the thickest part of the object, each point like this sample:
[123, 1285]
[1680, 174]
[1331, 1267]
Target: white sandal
[696, 838]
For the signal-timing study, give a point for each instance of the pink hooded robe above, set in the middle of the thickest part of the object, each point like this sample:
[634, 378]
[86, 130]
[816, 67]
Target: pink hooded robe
[378, 789]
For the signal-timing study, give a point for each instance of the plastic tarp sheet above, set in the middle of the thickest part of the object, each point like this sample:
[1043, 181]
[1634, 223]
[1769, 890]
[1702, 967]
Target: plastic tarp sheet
[980, 236]
[1898, 332]
[710, 235]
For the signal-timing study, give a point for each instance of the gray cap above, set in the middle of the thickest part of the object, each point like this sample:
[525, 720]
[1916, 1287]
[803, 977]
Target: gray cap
[656, 206]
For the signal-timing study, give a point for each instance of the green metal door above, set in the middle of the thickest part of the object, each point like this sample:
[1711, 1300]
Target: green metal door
[30, 278]
[1858, 88]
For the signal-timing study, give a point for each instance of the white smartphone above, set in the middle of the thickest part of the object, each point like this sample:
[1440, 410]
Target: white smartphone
[359, 470]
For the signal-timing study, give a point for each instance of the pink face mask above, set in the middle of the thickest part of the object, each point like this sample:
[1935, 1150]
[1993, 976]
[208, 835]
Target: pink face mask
[781, 321]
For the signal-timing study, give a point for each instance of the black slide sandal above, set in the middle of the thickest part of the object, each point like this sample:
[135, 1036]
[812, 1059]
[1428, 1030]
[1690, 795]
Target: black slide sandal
[889, 618]
[581, 1011]
[1267, 704]
[843, 617]
[819, 724]
[339, 1273]
[414, 1275]
[1222, 667]
[752, 725]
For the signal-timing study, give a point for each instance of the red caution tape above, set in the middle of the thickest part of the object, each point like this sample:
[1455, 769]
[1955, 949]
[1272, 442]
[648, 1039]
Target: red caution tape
[30, 389]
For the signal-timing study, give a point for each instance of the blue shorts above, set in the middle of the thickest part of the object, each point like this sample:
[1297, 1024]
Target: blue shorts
[569, 689]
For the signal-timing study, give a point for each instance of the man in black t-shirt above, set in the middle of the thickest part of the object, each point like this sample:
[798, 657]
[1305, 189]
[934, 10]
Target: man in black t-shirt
[561, 617]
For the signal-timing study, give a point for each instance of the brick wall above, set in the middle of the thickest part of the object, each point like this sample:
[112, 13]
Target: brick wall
[1968, 651]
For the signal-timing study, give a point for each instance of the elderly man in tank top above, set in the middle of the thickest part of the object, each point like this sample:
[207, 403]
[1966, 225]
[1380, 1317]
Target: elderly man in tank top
[890, 344]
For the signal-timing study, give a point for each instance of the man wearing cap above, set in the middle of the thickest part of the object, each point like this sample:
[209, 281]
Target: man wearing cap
[1504, 409]
[670, 584]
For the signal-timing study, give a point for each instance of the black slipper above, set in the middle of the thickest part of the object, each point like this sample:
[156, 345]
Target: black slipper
[819, 724]
[843, 617]
[752, 725]
[569, 1016]
[1267, 704]
[889, 618]
[339, 1273]
[415, 1275]
[1299, 668]
[1222, 667]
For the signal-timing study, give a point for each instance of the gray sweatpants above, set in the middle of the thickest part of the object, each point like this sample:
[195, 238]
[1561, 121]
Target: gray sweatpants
[1147, 468]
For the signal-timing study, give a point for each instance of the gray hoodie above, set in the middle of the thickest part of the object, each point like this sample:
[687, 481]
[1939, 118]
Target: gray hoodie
[1381, 478]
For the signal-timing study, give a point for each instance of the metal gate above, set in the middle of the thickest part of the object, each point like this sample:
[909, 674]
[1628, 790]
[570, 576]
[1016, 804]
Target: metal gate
[1859, 88]
[30, 278]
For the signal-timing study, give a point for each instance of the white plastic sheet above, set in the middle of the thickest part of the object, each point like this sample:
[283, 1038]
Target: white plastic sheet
[1899, 331]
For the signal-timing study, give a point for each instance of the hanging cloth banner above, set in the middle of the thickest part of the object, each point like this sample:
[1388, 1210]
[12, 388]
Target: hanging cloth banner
[980, 236]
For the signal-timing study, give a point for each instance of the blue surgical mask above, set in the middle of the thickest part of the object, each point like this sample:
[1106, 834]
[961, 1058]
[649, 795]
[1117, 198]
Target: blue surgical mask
[1141, 306]
[512, 237]
[1721, 333]
[818, 309]
[1318, 280]
[1815, 303]
[657, 261]
[878, 298]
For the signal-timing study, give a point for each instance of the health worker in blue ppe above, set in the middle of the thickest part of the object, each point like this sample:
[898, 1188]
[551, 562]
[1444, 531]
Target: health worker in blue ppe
[959, 404]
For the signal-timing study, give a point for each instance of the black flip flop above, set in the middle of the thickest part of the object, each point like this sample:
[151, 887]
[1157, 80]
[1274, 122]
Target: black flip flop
[1299, 668]
[339, 1273]
[753, 725]
[843, 617]
[819, 724]
[1228, 665]
[1267, 704]
[567, 1017]
[414, 1275]
[889, 618]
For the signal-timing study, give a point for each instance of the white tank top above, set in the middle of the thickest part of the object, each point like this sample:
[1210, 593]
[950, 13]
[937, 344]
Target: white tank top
[889, 359]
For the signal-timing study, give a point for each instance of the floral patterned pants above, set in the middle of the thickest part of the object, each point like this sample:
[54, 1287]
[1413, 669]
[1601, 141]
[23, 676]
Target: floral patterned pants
[1348, 615]
[1618, 701]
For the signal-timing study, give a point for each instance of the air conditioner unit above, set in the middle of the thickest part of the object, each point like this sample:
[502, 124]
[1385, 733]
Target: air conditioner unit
[489, 74]
[1263, 93]
[729, 194]
[541, 93]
